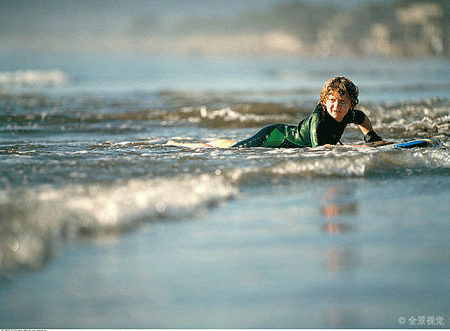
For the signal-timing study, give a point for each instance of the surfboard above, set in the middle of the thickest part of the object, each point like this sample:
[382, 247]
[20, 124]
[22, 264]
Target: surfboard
[425, 142]
[222, 143]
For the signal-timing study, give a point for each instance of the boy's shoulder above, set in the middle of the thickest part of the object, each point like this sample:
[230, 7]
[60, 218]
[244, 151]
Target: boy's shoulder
[316, 116]
[356, 116]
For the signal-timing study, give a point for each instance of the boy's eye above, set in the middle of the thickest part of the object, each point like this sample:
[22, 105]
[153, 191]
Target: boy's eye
[341, 101]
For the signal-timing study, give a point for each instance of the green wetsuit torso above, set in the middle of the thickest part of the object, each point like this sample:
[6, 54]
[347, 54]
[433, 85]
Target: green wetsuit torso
[318, 129]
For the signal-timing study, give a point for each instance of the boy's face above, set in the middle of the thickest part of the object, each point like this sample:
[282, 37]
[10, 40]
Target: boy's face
[337, 105]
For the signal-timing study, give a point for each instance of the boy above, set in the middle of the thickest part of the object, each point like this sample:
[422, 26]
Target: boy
[325, 125]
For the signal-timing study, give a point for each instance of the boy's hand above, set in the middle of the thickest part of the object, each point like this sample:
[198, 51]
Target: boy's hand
[371, 136]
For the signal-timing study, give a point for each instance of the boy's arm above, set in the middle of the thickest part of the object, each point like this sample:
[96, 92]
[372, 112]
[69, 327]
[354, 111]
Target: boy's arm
[366, 126]
[367, 129]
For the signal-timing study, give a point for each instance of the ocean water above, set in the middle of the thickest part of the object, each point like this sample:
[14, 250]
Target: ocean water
[103, 225]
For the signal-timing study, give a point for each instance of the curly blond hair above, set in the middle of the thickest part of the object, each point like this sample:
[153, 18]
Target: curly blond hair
[341, 86]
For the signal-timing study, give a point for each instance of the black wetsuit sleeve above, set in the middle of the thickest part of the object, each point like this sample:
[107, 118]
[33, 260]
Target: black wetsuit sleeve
[357, 117]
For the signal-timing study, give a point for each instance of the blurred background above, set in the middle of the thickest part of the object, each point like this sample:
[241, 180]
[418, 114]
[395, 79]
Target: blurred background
[209, 28]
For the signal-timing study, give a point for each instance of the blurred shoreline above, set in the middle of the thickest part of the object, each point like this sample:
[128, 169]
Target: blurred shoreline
[290, 28]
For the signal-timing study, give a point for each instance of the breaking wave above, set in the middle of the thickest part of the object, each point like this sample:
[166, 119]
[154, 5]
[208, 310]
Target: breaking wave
[35, 221]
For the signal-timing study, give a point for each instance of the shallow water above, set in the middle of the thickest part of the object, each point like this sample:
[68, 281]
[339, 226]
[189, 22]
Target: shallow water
[102, 225]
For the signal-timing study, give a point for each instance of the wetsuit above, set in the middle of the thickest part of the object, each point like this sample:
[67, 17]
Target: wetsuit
[319, 128]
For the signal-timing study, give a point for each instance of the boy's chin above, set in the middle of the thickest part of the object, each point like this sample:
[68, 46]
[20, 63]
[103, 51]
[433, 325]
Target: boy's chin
[337, 117]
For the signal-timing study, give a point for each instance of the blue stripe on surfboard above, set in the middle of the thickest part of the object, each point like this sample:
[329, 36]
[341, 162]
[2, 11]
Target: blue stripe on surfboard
[418, 143]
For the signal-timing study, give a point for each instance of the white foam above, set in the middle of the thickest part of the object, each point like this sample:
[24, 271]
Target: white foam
[54, 77]
[347, 161]
[228, 115]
